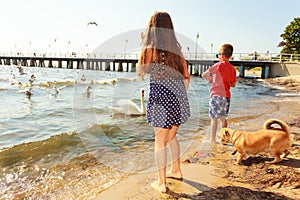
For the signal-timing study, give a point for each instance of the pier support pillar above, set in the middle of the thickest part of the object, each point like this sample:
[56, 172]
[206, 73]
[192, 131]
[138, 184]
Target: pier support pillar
[133, 67]
[41, 63]
[100, 65]
[50, 64]
[195, 71]
[191, 69]
[127, 67]
[92, 67]
[88, 65]
[79, 64]
[24, 62]
[97, 65]
[69, 64]
[107, 66]
[59, 65]
[242, 71]
[114, 66]
[32, 63]
[15, 61]
[7, 61]
[265, 72]
[120, 67]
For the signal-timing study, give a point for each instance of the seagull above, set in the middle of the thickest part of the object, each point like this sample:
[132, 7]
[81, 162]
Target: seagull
[88, 92]
[28, 93]
[32, 78]
[83, 78]
[21, 70]
[13, 80]
[92, 23]
[57, 90]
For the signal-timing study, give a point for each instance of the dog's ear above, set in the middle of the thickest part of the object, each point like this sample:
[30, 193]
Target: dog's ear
[227, 134]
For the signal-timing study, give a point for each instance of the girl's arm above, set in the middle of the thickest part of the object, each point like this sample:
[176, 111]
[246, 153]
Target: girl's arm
[187, 77]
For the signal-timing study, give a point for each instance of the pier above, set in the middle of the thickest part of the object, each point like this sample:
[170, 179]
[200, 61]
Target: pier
[271, 66]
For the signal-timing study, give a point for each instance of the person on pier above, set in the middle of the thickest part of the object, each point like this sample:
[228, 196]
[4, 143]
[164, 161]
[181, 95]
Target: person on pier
[168, 105]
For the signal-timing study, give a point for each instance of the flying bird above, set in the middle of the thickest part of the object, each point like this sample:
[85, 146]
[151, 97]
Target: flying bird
[92, 23]
[57, 90]
[20, 69]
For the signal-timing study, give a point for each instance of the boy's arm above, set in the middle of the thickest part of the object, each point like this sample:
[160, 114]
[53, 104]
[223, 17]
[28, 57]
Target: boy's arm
[232, 84]
[207, 76]
[233, 81]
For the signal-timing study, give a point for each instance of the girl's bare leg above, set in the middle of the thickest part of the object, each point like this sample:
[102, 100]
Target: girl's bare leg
[161, 139]
[175, 171]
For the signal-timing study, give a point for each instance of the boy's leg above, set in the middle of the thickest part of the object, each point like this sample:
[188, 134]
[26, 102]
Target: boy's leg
[214, 126]
[223, 122]
[223, 118]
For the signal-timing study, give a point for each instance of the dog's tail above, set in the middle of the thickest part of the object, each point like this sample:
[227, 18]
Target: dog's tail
[268, 124]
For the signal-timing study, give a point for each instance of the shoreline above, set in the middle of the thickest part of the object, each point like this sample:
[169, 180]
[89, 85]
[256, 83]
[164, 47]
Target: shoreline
[217, 177]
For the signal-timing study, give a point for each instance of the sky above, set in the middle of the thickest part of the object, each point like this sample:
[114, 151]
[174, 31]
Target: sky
[61, 25]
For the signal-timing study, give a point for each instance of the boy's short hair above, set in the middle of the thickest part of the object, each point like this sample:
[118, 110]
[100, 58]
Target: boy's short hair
[226, 49]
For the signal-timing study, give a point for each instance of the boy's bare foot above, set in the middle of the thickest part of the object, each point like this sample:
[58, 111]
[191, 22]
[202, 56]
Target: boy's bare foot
[177, 175]
[161, 188]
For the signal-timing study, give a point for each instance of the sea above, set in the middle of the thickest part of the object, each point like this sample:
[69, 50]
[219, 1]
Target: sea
[60, 140]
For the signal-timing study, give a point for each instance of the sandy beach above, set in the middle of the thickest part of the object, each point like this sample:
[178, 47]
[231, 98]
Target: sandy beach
[216, 177]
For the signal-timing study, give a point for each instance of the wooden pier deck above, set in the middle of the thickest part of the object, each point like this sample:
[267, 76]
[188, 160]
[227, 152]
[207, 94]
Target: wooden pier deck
[195, 67]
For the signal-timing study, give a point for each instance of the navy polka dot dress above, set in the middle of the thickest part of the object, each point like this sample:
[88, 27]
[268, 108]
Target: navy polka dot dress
[168, 103]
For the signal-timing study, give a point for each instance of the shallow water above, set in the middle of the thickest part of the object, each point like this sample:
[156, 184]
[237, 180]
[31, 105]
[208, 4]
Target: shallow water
[68, 145]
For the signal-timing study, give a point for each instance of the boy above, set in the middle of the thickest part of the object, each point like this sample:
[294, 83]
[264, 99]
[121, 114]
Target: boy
[222, 75]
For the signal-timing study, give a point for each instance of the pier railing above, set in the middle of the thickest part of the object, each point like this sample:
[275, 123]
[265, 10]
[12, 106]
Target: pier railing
[273, 57]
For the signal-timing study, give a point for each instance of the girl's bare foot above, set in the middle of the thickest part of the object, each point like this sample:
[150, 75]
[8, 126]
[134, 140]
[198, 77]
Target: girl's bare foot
[174, 175]
[161, 188]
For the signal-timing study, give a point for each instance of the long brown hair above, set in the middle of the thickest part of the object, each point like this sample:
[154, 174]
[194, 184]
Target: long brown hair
[160, 39]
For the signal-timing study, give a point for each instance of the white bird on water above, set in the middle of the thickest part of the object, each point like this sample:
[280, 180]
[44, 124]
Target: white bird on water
[128, 107]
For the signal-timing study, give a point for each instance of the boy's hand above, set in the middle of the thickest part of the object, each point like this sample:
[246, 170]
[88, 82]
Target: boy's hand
[209, 79]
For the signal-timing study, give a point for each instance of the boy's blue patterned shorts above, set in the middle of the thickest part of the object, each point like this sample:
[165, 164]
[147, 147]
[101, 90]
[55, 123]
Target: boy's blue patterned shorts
[219, 107]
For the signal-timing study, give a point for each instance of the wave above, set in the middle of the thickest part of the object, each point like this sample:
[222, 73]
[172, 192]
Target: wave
[288, 94]
[66, 146]
[36, 169]
[3, 89]
[41, 150]
[51, 84]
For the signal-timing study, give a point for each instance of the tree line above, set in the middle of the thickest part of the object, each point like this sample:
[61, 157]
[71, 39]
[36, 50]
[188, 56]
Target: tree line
[291, 38]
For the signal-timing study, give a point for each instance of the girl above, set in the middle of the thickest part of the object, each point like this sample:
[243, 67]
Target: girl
[168, 105]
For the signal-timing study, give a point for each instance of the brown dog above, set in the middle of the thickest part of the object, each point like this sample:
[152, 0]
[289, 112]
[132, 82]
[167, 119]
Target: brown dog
[276, 139]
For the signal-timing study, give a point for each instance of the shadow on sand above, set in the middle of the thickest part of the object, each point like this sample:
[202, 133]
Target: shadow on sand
[227, 192]
[289, 162]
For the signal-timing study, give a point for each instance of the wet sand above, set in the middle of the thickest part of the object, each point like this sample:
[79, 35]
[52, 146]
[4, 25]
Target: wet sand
[216, 177]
